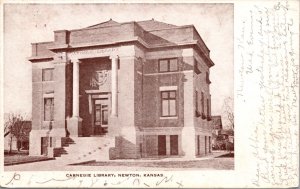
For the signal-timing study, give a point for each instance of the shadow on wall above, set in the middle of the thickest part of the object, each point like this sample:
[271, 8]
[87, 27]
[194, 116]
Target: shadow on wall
[124, 149]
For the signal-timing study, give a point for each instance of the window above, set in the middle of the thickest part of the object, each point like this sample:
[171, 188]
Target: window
[168, 103]
[208, 109]
[205, 144]
[198, 144]
[104, 115]
[197, 104]
[97, 114]
[207, 78]
[101, 114]
[196, 101]
[162, 150]
[44, 146]
[168, 65]
[50, 143]
[48, 109]
[202, 105]
[196, 67]
[209, 144]
[174, 144]
[47, 74]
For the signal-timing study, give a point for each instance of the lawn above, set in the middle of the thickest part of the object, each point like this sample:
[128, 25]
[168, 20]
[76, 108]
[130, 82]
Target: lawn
[223, 163]
[14, 159]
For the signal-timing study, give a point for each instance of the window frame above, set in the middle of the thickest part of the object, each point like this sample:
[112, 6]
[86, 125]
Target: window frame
[97, 109]
[197, 112]
[168, 99]
[209, 108]
[104, 108]
[172, 140]
[52, 74]
[51, 110]
[203, 105]
[196, 68]
[168, 66]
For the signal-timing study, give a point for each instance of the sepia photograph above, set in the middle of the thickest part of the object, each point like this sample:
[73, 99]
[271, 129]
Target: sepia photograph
[118, 87]
[149, 94]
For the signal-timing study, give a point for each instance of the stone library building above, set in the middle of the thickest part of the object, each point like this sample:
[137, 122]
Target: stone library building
[144, 85]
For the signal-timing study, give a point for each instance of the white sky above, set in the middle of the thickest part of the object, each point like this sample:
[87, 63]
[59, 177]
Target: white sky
[28, 23]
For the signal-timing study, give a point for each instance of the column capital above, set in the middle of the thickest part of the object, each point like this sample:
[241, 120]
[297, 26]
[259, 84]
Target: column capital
[114, 56]
[75, 60]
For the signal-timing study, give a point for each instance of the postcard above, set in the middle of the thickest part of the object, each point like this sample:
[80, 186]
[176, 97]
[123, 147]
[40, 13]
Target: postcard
[151, 94]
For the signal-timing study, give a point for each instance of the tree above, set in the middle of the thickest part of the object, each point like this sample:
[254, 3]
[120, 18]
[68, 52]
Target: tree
[14, 127]
[228, 111]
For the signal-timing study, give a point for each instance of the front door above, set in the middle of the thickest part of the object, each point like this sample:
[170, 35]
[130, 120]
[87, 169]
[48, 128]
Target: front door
[100, 117]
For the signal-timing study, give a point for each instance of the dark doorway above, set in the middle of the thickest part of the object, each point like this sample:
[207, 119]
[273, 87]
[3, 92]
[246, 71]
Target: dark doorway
[97, 120]
[44, 145]
[162, 145]
[174, 144]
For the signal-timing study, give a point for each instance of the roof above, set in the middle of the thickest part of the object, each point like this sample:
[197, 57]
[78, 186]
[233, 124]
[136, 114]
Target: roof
[150, 34]
[229, 132]
[149, 25]
[105, 24]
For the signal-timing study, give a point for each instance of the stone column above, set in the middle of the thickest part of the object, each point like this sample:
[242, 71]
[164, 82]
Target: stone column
[74, 123]
[114, 86]
[75, 88]
[188, 136]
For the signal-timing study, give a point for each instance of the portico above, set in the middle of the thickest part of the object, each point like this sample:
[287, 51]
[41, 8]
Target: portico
[74, 124]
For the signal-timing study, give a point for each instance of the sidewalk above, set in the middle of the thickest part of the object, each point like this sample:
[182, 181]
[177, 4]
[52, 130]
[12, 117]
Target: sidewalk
[208, 162]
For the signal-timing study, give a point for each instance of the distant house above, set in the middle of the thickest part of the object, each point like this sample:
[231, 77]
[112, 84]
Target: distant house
[217, 125]
[220, 136]
[227, 134]
[23, 142]
[216, 129]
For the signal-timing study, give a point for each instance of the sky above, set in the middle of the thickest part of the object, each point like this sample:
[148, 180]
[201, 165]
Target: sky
[29, 23]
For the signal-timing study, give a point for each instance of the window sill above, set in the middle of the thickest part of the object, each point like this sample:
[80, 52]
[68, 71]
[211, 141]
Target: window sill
[168, 117]
[49, 81]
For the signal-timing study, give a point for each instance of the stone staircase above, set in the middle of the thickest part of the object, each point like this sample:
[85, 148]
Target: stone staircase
[82, 149]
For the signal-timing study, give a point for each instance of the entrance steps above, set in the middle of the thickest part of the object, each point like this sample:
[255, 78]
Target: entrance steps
[82, 149]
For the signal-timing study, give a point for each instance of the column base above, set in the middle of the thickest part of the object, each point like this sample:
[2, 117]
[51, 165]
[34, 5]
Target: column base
[126, 146]
[114, 126]
[74, 125]
[188, 139]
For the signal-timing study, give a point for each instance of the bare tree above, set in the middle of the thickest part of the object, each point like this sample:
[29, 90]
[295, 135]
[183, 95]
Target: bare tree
[14, 127]
[228, 111]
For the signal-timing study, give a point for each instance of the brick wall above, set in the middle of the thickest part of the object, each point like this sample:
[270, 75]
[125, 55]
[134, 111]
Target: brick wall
[169, 36]
[39, 89]
[41, 49]
[202, 85]
[152, 94]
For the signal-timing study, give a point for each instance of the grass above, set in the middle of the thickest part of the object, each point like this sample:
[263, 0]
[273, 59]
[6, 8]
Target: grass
[214, 163]
[15, 158]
